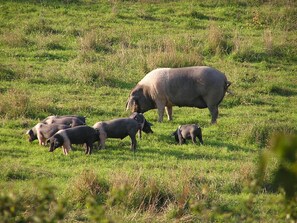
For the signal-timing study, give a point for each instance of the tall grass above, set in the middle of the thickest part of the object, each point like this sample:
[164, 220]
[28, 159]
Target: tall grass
[168, 52]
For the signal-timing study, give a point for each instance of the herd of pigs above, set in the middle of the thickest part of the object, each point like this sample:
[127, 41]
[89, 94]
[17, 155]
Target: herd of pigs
[63, 131]
[162, 88]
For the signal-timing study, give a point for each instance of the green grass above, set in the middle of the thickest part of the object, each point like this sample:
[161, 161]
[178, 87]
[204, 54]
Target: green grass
[83, 57]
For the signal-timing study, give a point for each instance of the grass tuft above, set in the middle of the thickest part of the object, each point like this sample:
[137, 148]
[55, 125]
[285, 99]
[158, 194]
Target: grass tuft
[98, 42]
[217, 41]
[7, 73]
[14, 103]
[87, 184]
[139, 194]
[261, 133]
[167, 53]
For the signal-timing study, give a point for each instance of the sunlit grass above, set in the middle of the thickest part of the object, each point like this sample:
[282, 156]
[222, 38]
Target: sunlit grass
[83, 57]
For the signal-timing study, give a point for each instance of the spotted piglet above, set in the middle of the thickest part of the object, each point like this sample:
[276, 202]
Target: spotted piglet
[189, 131]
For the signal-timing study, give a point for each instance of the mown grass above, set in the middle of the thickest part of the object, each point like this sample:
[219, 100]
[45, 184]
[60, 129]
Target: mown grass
[84, 57]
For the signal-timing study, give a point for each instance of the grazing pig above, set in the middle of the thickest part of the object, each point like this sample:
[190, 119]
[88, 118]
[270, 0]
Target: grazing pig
[144, 125]
[66, 120]
[117, 128]
[162, 88]
[190, 131]
[42, 132]
[76, 135]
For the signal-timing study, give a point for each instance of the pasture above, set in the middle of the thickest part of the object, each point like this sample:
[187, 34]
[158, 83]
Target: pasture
[84, 56]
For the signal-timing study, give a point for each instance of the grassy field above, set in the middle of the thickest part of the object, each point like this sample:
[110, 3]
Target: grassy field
[84, 56]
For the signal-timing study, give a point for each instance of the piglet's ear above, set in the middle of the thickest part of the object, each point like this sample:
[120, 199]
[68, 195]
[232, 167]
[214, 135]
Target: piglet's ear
[150, 124]
[97, 131]
[48, 141]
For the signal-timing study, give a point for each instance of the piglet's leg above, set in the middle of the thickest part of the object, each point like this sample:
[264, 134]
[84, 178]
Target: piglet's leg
[139, 134]
[180, 138]
[193, 137]
[66, 146]
[89, 147]
[133, 142]
[64, 150]
[41, 138]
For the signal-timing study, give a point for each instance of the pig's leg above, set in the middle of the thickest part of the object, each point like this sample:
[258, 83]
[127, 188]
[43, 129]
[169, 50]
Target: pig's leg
[214, 111]
[161, 109]
[169, 112]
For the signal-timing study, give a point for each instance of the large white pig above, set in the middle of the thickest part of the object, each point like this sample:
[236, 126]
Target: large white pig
[162, 88]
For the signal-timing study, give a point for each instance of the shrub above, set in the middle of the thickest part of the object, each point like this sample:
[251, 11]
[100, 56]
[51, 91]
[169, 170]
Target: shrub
[97, 212]
[284, 176]
[39, 208]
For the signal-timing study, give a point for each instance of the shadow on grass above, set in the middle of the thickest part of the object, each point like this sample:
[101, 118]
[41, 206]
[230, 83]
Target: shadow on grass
[186, 155]
[122, 152]
[229, 146]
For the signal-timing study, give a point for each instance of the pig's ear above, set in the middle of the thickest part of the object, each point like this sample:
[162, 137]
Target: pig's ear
[128, 103]
[29, 132]
[48, 141]
[132, 101]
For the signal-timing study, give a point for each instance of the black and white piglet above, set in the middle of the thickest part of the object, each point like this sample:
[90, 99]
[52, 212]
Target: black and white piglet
[189, 131]
[76, 135]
